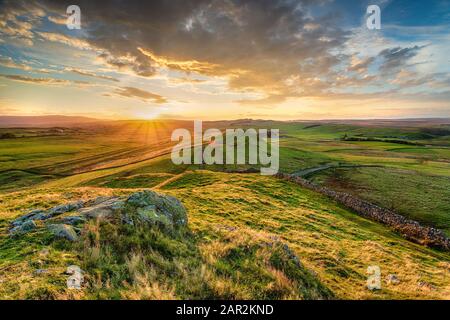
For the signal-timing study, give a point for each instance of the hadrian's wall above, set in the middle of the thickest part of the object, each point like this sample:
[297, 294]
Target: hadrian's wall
[410, 229]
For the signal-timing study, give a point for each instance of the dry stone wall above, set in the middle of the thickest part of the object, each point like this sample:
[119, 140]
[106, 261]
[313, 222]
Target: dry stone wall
[410, 229]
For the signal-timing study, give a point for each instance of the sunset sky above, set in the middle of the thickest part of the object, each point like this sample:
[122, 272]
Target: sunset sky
[206, 59]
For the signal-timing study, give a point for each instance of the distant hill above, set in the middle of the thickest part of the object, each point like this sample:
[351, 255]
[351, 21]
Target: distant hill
[46, 121]
[411, 122]
[79, 121]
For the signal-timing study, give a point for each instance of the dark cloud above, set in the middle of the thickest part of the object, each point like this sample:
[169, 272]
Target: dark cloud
[396, 58]
[139, 65]
[277, 48]
[257, 44]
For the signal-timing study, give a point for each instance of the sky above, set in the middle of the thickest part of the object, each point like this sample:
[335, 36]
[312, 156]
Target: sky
[226, 59]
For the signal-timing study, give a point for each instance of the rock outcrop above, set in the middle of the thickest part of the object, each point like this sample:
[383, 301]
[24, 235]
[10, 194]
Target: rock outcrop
[102, 208]
[23, 228]
[63, 231]
[157, 208]
[146, 207]
[47, 214]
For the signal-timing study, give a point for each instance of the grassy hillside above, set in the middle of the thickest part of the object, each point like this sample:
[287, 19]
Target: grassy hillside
[239, 224]
[230, 214]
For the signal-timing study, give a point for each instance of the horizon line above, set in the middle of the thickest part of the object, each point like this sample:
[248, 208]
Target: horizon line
[236, 119]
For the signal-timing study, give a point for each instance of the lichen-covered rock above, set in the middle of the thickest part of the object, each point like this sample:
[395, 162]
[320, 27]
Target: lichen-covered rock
[157, 208]
[23, 228]
[47, 214]
[63, 231]
[150, 214]
[103, 209]
[29, 216]
[66, 208]
[100, 199]
[72, 220]
[146, 206]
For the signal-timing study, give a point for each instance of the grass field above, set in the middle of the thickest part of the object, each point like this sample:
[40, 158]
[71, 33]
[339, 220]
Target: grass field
[231, 216]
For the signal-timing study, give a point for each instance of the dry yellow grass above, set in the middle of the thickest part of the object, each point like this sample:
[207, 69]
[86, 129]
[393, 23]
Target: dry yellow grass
[334, 243]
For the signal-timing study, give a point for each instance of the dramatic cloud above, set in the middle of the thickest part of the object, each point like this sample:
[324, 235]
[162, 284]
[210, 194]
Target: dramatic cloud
[232, 53]
[275, 48]
[16, 23]
[257, 45]
[139, 65]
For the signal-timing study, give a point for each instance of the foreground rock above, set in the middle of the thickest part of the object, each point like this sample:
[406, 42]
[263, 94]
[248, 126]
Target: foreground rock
[23, 228]
[63, 231]
[157, 208]
[102, 208]
[145, 206]
[72, 220]
[47, 214]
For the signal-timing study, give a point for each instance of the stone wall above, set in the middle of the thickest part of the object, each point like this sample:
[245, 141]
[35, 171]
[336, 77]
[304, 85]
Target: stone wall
[410, 229]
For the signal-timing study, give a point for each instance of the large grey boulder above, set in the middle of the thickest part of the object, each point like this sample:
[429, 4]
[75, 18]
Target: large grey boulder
[63, 231]
[157, 208]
